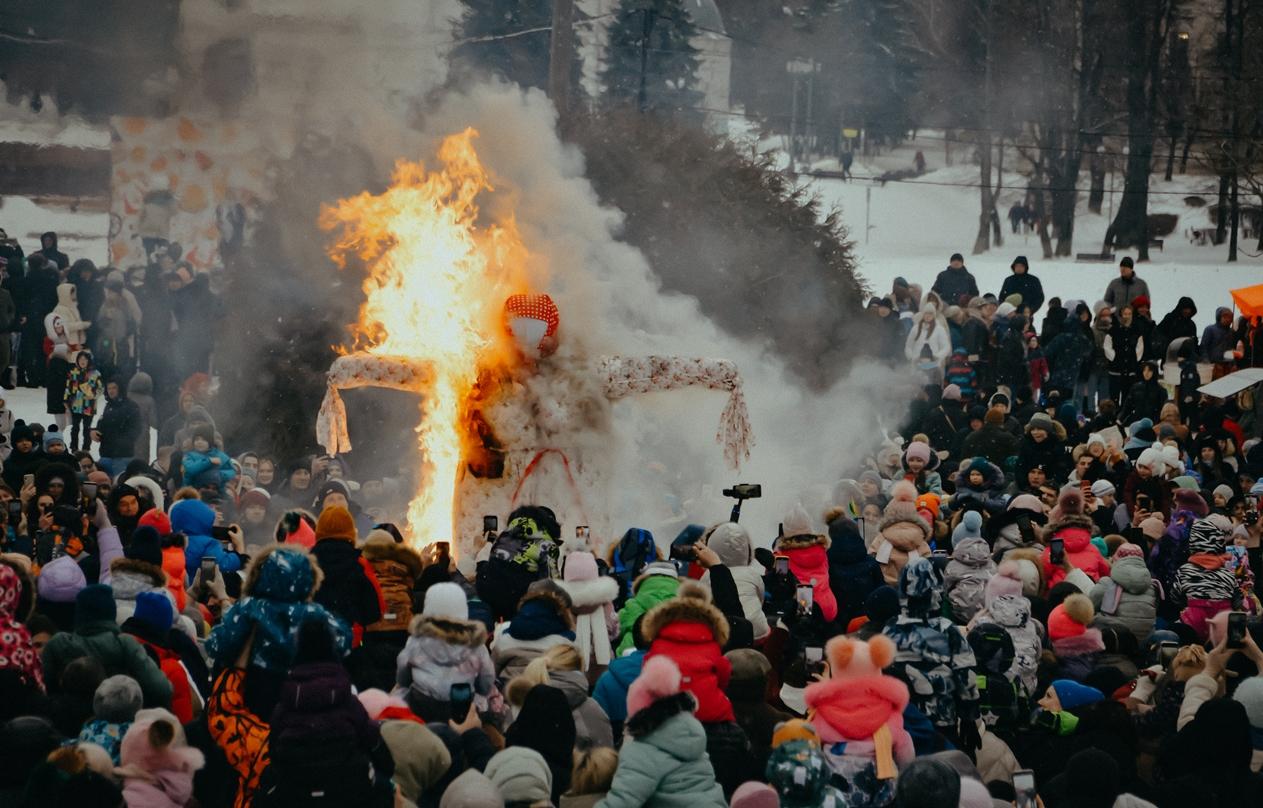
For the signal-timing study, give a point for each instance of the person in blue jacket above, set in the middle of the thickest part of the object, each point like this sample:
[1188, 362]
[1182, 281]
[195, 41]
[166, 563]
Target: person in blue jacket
[194, 519]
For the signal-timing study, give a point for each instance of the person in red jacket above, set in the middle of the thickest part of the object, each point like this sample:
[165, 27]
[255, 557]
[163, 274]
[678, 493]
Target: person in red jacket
[808, 559]
[692, 632]
[1073, 527]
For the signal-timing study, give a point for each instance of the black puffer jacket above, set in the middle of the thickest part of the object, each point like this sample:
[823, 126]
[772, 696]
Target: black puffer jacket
[853, 573]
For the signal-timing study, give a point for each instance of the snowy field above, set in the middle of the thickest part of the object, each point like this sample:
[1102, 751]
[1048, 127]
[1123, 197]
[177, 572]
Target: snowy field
[914, 228]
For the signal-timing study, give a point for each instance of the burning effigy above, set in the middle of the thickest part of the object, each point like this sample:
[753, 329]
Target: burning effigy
[452, 313]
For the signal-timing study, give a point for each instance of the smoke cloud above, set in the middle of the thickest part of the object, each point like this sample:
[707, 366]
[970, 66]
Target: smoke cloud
[660, 458]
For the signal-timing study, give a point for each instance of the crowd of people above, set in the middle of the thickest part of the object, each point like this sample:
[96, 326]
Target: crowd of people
[1041, 588]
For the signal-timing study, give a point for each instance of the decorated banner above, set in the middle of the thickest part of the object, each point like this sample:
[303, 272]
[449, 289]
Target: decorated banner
[177, 180]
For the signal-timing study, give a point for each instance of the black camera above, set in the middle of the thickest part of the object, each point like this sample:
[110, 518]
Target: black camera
[743, 491]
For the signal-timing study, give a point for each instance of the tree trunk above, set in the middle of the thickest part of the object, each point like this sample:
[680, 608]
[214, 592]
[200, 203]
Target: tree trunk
[1188, 145]
[1096, 192]
[1236, 221]
[983, 242]
[1170, 159]
[1131, 225]
[997, 232]
[1064, 199]
[1221, 215]
[1041, 209]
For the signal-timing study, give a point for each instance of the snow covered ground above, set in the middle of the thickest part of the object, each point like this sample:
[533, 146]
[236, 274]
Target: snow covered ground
[915, 226]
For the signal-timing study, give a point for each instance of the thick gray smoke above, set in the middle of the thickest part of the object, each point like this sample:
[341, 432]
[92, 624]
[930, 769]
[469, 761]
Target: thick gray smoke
[664, 466]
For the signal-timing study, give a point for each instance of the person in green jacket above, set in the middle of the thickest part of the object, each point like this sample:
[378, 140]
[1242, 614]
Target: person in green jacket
[657, 583]
[663, 763]
[97, 635]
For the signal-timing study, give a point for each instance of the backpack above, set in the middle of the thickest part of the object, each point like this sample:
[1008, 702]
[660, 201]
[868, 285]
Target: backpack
[182, 693]
[633, 552]
[519, 556]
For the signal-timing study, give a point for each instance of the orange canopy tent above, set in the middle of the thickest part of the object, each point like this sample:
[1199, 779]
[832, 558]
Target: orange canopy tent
[1249, 300]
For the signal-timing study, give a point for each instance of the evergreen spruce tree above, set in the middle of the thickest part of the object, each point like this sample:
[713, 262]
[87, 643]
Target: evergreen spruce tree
[650, 59]
[493, 38]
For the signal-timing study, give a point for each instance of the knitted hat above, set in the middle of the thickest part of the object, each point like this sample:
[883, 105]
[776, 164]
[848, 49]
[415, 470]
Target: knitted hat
[1102, 488]
[1005, 309]
[117, 699]
[994, 416]
[1152, 458]
[446, 601]
[753, 794]
[1250, 695]
[882, 604]
[255, 498]
[60, 580]
[1006, 582]
[929, 501]
[1129, 550]
[156, 519]
[1073, 695]
[951, 392]
[21, 431]
[95, 604]
[797, 522]
[1041, 420]
[52, 436]
[796, 729]
[970, 527]
[336, 522]
[145, 546]
[580, 566]
[1070, 501]
[659, 678]
[918, 450]
[1222, 490]
[1070, 618]
[1153, 527]
[154, 609]
[521, 774]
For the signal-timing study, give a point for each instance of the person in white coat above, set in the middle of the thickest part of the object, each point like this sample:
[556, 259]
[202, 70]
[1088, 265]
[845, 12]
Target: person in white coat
[732, 544]
[67, 331]
[930, 332]
[592, 596]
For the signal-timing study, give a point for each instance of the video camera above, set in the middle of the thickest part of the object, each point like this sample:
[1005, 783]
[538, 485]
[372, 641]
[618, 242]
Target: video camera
[741, 492]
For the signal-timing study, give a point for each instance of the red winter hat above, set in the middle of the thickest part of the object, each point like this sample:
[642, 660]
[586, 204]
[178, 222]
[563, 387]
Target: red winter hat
[156, 519]
[1071, 618]
[1140, 301]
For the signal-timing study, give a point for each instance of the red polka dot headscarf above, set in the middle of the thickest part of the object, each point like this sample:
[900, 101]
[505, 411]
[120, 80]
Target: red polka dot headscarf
[532, 319]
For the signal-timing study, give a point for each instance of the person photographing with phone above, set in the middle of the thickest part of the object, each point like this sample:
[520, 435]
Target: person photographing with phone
[196, 520]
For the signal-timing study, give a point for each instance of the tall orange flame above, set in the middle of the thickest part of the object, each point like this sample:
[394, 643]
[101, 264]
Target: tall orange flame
[434, 289]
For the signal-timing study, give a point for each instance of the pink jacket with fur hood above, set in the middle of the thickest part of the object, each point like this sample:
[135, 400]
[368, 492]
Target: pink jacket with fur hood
[158, 764]
[860, 706]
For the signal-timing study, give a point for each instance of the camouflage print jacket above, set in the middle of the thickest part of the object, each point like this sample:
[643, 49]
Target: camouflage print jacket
[933, 658]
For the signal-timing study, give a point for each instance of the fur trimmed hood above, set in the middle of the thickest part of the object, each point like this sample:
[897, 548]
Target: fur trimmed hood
[552, 594]
[801, 542]
[903, 515]
[591, 593]
[284, 572]
[380, 548]
[685, 610]
[471, 633]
